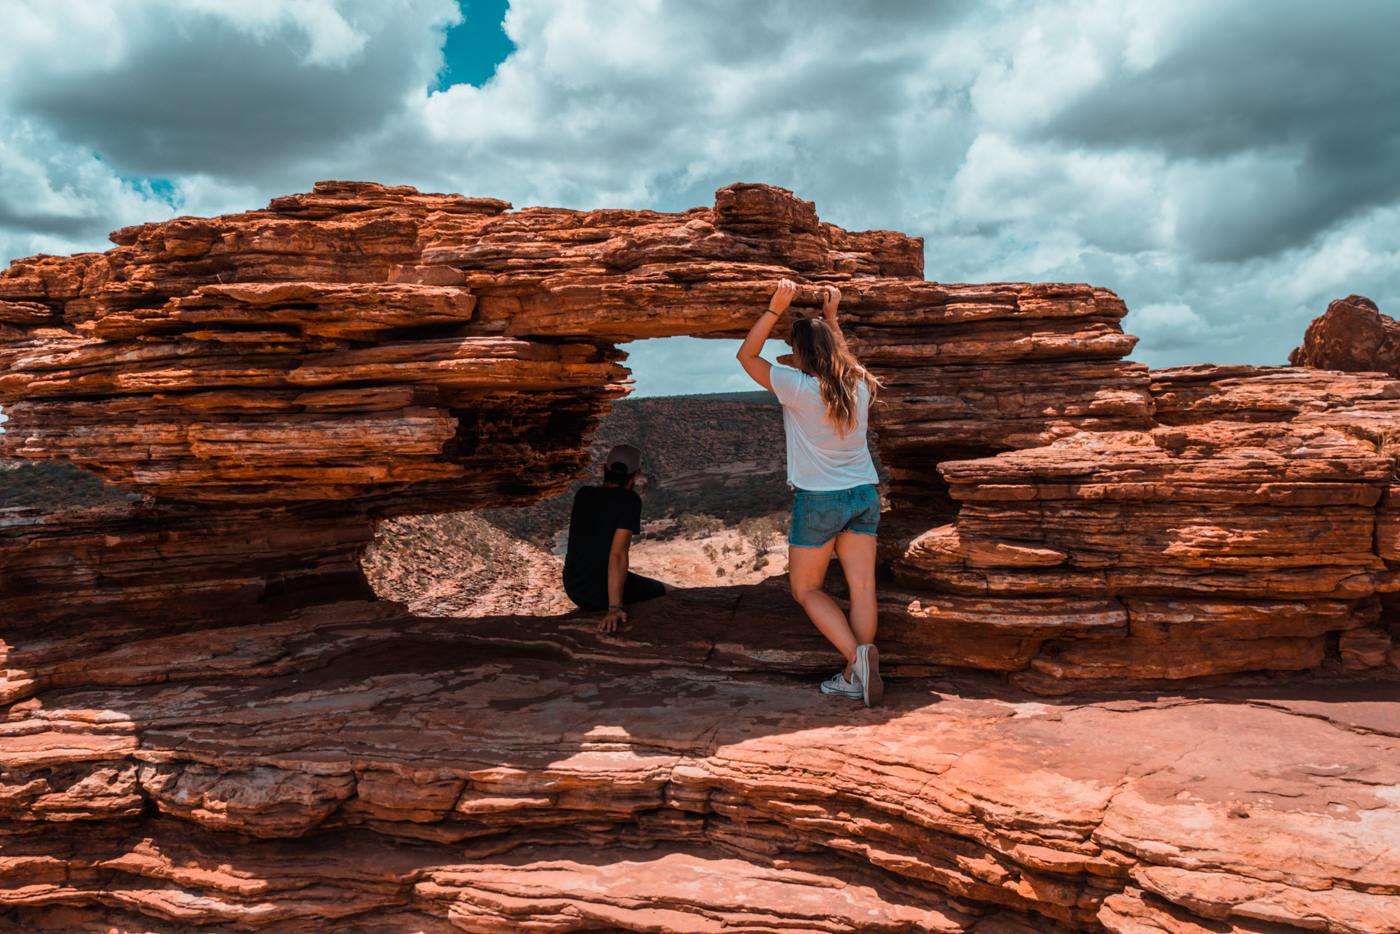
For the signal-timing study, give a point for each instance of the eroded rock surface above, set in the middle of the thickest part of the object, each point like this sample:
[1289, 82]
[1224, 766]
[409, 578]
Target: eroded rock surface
[211, 724]
[388, 773]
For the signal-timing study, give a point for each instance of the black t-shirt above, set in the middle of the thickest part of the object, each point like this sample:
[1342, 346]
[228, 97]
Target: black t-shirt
[599, 511]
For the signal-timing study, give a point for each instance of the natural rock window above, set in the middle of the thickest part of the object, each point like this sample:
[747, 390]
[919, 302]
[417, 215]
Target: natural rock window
[212, 720]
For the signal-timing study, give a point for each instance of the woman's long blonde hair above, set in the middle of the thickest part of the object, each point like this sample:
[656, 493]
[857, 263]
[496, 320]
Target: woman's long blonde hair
[819, 351]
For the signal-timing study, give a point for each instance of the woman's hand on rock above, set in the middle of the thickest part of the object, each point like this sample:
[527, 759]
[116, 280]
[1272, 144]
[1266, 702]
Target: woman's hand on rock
[831, 297]
[783, 296]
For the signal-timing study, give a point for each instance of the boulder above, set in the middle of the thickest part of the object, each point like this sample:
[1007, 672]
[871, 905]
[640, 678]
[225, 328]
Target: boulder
[1352, 335]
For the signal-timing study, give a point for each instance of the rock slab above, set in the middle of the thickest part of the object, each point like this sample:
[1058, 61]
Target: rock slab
[443, 775]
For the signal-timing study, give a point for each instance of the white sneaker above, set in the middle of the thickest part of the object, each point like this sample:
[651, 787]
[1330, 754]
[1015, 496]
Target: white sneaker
[867, 671]
[838, 685]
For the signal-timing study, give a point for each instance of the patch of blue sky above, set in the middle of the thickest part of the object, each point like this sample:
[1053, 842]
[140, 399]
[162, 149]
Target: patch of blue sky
[474, 47]
[679, 366]
[150, 186]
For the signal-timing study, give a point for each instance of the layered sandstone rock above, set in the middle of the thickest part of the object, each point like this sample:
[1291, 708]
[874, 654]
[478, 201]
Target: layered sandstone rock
[1241, 535]
[972, 370]
[211, 724]
[380, 344]
[135, 559]
[1229, 548]
[363, 350]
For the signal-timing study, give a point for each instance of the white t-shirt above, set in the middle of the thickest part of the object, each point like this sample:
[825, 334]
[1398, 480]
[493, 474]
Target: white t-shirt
[820, 458]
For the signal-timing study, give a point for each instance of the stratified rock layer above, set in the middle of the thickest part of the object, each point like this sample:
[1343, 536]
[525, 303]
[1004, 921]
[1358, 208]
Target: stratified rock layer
[188, 373]
[211, 724]
[1244, 534]
[971, 370]
[1218, 541]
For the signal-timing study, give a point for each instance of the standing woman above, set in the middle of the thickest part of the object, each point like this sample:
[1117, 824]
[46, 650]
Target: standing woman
[836, 506]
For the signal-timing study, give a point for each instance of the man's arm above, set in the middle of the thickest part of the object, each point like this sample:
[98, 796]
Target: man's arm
[617, 576]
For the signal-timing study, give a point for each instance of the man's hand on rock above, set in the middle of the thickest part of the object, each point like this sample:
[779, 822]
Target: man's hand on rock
[609, 622]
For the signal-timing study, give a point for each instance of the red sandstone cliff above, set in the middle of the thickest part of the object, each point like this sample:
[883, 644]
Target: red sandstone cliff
[212, 724]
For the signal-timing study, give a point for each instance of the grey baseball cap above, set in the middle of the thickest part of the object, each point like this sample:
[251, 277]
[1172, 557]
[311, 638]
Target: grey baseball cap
[626, 455]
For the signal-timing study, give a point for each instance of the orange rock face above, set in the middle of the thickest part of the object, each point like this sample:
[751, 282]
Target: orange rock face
[211, 723]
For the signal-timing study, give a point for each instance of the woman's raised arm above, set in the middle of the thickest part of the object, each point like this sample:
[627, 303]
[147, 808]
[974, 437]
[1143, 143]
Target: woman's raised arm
[748, 355]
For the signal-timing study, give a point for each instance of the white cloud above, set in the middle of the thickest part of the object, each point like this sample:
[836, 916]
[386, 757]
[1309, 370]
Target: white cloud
[248, 92]
[55, 199]
[1168, 326]
[1111, 200]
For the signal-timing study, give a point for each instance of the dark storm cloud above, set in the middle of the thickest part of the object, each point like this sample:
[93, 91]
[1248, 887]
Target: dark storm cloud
[1313, 86]
[742, 32]
[210, 97]
[45, 222]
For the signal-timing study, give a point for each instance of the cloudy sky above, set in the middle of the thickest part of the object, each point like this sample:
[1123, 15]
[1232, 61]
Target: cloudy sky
[1228, 167]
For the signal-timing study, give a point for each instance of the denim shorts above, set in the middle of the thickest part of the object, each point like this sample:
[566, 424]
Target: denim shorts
[819, 516]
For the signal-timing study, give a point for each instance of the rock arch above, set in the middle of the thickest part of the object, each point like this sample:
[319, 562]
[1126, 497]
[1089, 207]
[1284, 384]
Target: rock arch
[275, 381]
[381, 345]
[363, 351]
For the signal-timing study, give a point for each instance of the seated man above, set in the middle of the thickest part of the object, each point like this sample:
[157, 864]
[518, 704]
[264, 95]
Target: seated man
[601, 527]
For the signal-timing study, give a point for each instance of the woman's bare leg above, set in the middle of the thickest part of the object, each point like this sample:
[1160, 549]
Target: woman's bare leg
[857, 553]
[806, 572]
